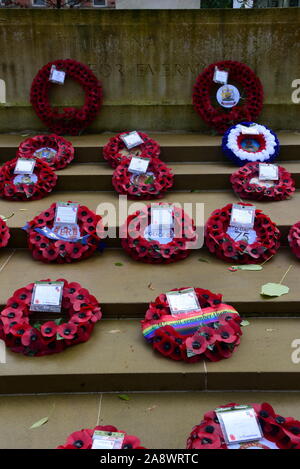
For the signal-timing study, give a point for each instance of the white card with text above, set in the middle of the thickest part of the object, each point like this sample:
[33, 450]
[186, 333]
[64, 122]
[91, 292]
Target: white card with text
[132, 139]
[24, 166]
[66, 213]
[239, 424]
[242, 215]
[183, 301]
[268, 172]
[138, 165]
[47, 296]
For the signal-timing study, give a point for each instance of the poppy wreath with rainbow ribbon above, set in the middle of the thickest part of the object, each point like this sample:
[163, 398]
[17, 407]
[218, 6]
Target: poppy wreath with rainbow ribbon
[140, 244]
[247, 185]
[4, 233]
[217, 116]
[22, 187]
[115, 150]
[212, 333]
[242, 148]
[82, 311]
[49, 246]
[265, 244]
[150, 185]
[294, 239]
[71, 120]
[53, 149]
[83, 439]
[278, 432]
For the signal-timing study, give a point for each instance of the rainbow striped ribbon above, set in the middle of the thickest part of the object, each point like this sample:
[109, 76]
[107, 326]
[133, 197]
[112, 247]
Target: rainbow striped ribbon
[188, 323]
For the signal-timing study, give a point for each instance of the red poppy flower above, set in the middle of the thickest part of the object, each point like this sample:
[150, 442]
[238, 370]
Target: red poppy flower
[131, 442]
[206, 441]
[4, 232]
[197, 344]
[67, 330]
[49, 329]
[80, 440]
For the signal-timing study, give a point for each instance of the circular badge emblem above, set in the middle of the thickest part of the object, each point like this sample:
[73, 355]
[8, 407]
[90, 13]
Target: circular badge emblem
[25, 179]
[164, 237]
[46, 153]
[228, 96]
[140, 179]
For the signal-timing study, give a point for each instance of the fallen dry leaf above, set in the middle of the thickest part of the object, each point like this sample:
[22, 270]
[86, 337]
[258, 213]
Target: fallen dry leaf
[150, 286]
[152, 408]
[114, 331]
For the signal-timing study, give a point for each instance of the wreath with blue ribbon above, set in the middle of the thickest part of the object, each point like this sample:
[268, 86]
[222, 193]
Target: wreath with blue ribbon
[47, 245]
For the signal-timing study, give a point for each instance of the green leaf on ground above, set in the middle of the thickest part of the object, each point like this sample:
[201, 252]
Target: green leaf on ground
[247, 267]
[201, 259]
[274, 289]
[245, 323]
[118, 264]
[124, 397]
[39, 423]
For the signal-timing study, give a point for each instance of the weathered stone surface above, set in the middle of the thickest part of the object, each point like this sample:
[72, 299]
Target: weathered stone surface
[157, 4]
[148, 61]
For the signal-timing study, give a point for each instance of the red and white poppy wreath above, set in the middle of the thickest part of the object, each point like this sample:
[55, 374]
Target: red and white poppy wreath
[4, 233]
[150, 185]
[219, 117]
[115, 150]
[82, 312]
[220, 243]
[53, 149]
[245, 183]
[279, 432]
[71, 120]
[83, 439]
[137, 241]
[212, 333]
[48, 247]
[294, 239]
[41, 183]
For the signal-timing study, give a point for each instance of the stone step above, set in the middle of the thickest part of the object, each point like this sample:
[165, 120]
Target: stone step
[188, 176]
[126, 290]
[174, 146]
[175, 412]
[284, 213]
[117, 358]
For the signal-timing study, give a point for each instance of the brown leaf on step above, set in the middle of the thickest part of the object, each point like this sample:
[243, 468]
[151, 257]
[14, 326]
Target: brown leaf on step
[114, 331]
[150, 286]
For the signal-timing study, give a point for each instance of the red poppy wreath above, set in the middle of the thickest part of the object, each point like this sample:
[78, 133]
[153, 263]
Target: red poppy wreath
[144, 246]
[253, 247]
[47, 245]
[83, 439]
[115, 150]
[82, 311]
[4, 233]
[23, 187]
[71, 120]
[221, 117]
[246, 183]
[294, 239]
[212, 333]
[53, 149]
[150, 185]
[278, 432]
